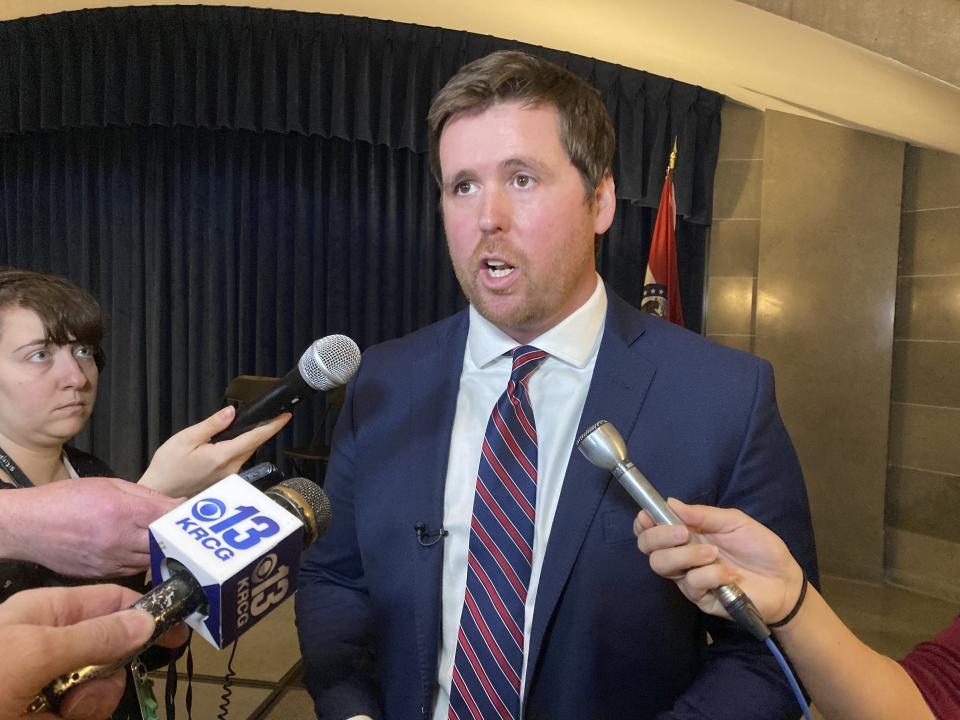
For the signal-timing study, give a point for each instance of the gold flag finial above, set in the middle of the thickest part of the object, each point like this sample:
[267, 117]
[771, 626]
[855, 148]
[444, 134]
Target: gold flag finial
[673, 156]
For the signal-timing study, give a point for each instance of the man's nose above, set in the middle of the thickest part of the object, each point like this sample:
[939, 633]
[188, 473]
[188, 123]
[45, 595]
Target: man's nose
[494, 211]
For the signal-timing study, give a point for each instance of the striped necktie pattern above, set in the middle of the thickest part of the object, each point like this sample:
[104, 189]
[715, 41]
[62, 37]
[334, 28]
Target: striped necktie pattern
[489, 656]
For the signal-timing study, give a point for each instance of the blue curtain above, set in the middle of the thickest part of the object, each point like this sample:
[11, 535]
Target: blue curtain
[233, 183]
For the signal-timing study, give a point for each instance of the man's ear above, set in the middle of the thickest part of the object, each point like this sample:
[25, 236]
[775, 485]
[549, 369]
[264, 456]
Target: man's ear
[604, 203]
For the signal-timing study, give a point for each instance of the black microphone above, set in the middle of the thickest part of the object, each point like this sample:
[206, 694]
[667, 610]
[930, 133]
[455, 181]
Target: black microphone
[262, 475]
[265, 579]
[427, 537]
[330, 362]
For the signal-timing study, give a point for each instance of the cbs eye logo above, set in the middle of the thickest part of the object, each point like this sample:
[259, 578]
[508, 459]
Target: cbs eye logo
[211, 510]
[271, 584]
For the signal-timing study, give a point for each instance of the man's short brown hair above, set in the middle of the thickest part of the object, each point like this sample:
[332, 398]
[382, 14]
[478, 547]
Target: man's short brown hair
[586, 130]
[69, 313]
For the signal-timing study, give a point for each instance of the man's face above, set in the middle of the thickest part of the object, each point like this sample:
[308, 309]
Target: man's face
[519, 229]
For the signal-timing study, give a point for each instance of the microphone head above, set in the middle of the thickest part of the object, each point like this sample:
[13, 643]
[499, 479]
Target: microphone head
[330, 362]
[305, 499]
[603, 445]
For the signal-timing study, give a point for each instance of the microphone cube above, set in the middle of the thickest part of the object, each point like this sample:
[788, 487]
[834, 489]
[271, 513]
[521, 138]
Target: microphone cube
[241, 546]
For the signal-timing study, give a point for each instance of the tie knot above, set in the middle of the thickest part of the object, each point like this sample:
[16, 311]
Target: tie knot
[526, 359]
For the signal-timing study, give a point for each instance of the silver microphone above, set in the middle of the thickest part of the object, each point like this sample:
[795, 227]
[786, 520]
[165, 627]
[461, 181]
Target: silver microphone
[603, 446]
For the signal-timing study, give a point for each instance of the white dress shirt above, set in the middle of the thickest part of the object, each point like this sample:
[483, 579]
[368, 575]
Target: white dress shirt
[557, 390]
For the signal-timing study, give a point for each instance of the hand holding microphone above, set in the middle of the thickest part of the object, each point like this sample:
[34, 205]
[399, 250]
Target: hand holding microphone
[330, 362]
[736, 548]
[603, 446]
[53, 630]
[188, 461]
[223, 561]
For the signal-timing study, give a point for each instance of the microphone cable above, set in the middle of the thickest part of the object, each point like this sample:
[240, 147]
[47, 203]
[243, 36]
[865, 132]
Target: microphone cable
[791, 678]
[228, 684]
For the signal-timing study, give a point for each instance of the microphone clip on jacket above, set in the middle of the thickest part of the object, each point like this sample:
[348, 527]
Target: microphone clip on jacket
[427, 537]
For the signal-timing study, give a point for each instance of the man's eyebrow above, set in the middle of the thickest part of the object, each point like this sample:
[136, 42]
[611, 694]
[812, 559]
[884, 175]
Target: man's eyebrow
[459, 178]
[521, 161]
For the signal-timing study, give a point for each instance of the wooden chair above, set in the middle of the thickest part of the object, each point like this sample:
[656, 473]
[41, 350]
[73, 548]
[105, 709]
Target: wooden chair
[316, 455]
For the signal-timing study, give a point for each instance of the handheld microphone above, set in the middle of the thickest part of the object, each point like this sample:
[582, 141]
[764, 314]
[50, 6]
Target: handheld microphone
[603, 446]
[224, 566]
[330, 362]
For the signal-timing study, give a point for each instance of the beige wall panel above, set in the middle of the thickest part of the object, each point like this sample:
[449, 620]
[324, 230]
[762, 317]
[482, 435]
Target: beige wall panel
[736, 189]
[928, 307]
[931, 179]
[737, 342]
[923, 502]
[742, 133]
[926, 373]
[925, 437]
[730, 306]
[930, 242]
[920, 33]
[733, 247]
[829, 233]
[925, 563]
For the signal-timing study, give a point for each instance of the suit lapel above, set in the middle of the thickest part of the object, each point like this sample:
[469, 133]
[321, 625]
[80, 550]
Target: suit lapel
[620, 381]
[429, 422]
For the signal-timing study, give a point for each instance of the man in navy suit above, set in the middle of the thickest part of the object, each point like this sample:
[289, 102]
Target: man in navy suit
[522, 151]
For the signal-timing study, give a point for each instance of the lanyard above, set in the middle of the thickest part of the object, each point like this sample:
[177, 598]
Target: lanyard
[18, 476]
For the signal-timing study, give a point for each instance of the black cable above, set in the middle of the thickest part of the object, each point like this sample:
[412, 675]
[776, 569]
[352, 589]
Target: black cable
[228, 684]
[189, 697]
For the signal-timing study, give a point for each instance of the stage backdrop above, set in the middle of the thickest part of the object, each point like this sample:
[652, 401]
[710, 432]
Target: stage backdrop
[233, 183]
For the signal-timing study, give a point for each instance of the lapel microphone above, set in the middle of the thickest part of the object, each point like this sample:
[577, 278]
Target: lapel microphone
[427, 537]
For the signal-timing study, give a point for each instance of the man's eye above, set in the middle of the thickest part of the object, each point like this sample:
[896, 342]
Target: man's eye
[463, 188]
[523, 181]
[39, 356]
[82, 351]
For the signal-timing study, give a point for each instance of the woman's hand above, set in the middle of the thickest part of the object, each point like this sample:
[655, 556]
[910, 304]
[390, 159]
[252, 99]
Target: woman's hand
[188, 462]
[735, 548]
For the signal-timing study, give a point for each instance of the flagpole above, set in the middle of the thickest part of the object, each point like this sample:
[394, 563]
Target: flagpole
[673, 156]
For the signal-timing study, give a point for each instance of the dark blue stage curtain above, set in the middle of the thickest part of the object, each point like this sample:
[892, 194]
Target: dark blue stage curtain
[233, 183]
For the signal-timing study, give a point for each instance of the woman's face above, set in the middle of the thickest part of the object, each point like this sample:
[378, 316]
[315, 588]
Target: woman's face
[47, 391]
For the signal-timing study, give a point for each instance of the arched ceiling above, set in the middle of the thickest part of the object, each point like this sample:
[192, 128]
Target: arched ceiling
[752, 56]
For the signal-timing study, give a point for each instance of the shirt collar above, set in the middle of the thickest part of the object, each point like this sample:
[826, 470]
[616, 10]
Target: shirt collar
[574, 340]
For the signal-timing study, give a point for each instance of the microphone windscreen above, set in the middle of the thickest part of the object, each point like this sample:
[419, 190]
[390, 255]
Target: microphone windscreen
[305, 499]
[330, 362]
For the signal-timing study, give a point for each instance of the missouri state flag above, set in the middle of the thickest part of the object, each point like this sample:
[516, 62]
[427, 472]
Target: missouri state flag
[661, 284]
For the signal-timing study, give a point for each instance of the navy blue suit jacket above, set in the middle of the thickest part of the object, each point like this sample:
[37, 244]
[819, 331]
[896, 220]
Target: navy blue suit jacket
[610, 639]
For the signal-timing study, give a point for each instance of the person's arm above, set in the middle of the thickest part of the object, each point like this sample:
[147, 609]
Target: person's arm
[845, 678]
[85, 527]
[335, 620]
[56, 630]
[188, 462]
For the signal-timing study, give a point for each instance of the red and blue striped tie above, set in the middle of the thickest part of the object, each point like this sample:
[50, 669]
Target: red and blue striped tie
[489, 658]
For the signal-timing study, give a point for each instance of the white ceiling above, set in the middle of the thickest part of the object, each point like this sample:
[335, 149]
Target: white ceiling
[752, 56]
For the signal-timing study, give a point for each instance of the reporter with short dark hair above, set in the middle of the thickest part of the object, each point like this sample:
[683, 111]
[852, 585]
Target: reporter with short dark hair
[845, 678]
[61, 517]
[56, 520]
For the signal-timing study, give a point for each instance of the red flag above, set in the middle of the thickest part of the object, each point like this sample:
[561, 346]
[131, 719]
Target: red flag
[661, 285]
